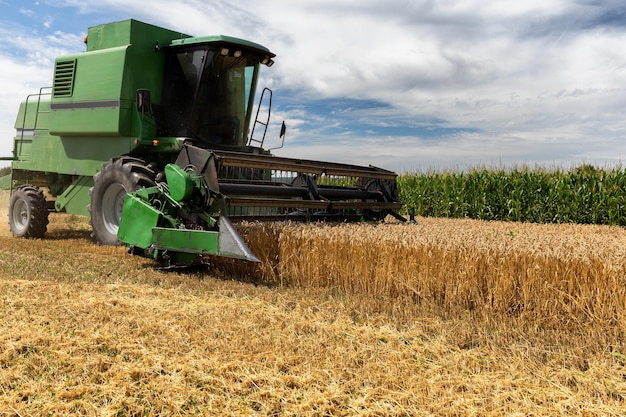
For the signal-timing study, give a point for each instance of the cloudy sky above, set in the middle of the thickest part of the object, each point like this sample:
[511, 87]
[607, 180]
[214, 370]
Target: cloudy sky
[402, 84]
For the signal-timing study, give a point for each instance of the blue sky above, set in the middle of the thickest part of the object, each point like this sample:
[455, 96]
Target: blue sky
[405, 85]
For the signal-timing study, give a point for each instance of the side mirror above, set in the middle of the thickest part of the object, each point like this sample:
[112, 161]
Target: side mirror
[143, 101]
[283, 130]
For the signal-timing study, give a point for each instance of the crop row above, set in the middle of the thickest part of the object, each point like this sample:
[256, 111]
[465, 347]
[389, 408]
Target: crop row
[542, 273]
[585, 195]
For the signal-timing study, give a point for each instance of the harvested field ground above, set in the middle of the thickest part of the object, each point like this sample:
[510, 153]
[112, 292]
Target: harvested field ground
[445, 318]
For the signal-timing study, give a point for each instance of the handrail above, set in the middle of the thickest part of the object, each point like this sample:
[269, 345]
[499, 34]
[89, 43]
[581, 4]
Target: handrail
[256, 119]
[41, 93]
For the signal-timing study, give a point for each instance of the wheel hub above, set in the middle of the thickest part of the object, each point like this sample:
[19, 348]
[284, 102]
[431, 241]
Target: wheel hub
[112, 202]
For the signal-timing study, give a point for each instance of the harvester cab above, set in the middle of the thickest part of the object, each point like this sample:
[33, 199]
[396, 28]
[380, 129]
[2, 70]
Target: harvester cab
[147, 133]
[208, 90]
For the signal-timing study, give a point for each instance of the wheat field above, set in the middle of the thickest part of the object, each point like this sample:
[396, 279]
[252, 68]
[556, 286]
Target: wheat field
[567, 273]
[442, 318]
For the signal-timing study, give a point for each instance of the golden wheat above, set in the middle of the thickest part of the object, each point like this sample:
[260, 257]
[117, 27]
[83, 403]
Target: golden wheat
[570, 274]
[215, 348]
[447, 317]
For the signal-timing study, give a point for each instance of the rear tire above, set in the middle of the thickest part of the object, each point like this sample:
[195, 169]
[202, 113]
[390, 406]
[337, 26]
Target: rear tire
[116, 178]
[28, 212]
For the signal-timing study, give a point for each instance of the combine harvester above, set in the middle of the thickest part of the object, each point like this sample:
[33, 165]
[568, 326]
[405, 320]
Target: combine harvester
[147, 134]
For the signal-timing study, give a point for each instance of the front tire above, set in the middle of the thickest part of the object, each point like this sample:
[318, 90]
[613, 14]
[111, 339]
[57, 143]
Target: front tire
[117, 177]
[28, 212]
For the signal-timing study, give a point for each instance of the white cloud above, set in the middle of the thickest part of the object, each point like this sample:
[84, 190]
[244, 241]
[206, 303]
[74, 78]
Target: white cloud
[27, 12]
[534, 80]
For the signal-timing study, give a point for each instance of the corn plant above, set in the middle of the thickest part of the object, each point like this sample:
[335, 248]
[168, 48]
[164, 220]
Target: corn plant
[584, 194]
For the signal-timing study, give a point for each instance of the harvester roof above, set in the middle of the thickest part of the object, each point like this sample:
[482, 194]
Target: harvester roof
[223, 40]
[127, 32]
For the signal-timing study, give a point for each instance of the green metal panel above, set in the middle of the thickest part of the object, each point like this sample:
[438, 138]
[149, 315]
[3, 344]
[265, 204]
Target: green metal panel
[179, 182]
[69, 155]
[100, 122]
[76, 198]
[128, 32]
[33, 113]
[96, 104]
[137, 222]
[191, 241]
[23, 147]
[31, 121]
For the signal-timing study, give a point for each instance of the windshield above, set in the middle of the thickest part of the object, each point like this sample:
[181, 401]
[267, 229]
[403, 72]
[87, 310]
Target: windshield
[206, 96]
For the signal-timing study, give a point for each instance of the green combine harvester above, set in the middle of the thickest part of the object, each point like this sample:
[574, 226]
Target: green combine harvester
[147, 133]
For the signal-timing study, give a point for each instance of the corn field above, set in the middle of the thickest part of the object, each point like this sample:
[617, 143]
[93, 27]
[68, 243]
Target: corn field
[584, 195]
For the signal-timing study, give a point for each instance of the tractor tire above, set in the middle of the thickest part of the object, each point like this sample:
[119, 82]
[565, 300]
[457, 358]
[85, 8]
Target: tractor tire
[116, 178]
[28, 212]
